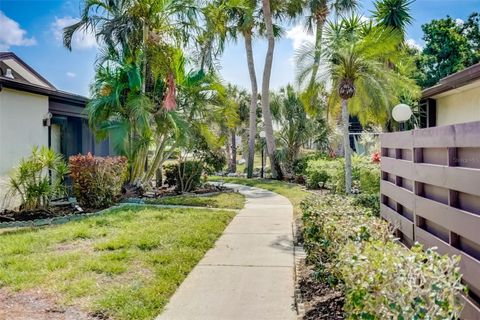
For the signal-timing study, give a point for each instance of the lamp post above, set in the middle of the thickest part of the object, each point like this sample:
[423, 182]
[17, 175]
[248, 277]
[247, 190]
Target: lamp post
[402, 113]
[262, 138]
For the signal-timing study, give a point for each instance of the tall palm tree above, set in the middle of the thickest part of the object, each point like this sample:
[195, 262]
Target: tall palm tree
[267, 71]
[318, 11]
[362, 82]
[393, 13]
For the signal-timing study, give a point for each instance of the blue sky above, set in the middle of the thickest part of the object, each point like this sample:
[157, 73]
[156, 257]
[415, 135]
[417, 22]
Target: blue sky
[32, 29]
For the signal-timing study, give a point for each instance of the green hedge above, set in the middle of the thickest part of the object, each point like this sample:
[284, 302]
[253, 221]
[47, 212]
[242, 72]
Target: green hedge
[381, 278]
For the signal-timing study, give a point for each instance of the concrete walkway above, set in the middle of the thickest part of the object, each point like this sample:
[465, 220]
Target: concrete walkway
[248, 275]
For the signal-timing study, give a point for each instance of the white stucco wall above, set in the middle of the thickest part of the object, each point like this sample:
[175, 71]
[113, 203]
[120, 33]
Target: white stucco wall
[21, 128]
[459, 107]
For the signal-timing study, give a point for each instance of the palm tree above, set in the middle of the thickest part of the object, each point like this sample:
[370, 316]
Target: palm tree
[318, 11]
[118, 108]
[362, 82]
[393, 13]
[267, 71]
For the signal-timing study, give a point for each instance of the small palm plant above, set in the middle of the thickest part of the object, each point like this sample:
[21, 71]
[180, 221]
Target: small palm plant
[39, 178]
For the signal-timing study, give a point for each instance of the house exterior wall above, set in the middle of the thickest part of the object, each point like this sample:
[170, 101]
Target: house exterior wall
[459, 107]
[21, 128]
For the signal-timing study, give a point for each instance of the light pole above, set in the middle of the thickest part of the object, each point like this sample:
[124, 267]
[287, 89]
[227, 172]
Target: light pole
[262, 138]
[402, 113]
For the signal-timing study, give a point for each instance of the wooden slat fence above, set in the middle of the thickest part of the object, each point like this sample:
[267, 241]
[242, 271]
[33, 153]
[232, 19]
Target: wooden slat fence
[430, 189]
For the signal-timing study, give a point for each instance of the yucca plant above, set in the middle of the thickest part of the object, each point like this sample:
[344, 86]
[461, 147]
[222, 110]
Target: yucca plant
[39, 179]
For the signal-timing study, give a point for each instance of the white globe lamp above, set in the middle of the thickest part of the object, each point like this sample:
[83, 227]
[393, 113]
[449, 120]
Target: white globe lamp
[402, 112]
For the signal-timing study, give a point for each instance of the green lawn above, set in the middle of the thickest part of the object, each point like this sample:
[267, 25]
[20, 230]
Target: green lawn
[294, 192]
[124, 264]
[231, 200]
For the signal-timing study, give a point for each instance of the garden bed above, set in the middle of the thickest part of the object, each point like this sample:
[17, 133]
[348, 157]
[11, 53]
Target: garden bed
[320, 300]
[54, 211]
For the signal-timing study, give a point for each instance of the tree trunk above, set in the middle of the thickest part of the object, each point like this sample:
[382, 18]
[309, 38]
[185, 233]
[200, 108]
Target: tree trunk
[253, 104]
[346, 147]
[320, 21]
[228, 150]
[267, 116]
[233, 149]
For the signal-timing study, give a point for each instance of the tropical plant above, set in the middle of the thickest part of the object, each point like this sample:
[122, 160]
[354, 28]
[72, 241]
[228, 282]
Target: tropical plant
[393, 13]
[267, 71]
[363, 83]
[296, 127]
[38, 179]
[317, 13]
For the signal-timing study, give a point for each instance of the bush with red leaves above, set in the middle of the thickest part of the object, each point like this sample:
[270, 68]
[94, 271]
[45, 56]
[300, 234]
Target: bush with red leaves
[97, 181]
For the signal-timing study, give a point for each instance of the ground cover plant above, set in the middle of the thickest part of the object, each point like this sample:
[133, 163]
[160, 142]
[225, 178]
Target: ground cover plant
[230, 200]
[380, 278]
[124, 264]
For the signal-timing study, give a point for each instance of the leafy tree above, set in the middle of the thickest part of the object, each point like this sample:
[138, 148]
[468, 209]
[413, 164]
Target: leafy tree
[450, 46]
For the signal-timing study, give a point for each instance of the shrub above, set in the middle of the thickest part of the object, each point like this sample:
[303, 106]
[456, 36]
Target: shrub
[185, 176]
[381, 278]
[97, 181]
[39, 178]
[215, 162]
[331, 173]
[320, 172]
[369, 201]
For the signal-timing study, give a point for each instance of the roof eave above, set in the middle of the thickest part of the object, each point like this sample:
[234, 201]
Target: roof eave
[60, 95]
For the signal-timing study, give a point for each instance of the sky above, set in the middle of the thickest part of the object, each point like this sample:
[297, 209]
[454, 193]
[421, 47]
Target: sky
[32, 30]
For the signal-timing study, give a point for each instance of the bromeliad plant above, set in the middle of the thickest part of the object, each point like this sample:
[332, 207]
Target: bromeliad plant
[39, 179]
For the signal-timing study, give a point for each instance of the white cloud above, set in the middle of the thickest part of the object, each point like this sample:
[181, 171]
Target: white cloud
[82, 39]
[71, 74]
[12, 34]
[459, 22]
[299, 35]
[413, 44]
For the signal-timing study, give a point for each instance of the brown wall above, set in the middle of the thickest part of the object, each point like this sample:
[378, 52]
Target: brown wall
[430, 189]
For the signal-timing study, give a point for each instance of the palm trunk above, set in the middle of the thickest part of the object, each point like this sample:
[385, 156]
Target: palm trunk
[346, 147]
[233, 149]
[228, 150]
[253, 104]
[318, 47]
[267, 71]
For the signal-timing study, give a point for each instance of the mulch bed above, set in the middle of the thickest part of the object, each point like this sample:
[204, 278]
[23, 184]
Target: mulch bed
[65, 209]
[27, 215]
[321, 301]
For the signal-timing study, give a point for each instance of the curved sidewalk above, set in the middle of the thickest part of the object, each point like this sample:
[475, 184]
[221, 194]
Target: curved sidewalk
[248, 274]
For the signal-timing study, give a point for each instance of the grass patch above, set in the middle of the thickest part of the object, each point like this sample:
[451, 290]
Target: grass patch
[125, 264]
[230, 200]
[293, 192]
